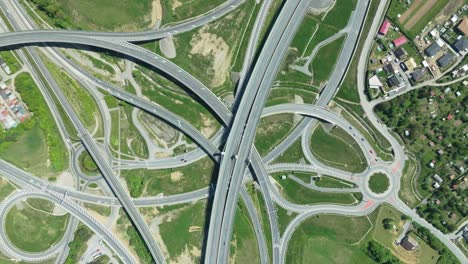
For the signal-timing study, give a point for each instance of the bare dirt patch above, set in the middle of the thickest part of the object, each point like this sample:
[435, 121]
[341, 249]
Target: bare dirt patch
[176, 176]
[65, 179]
[420, 13]
[156, 12]
[175, 4]
[208, 127]
[212, 46]
[195, 229]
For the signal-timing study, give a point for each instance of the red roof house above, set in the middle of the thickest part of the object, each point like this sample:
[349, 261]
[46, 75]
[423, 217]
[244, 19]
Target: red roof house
[399, 41]
[449, 117]
[384, 28]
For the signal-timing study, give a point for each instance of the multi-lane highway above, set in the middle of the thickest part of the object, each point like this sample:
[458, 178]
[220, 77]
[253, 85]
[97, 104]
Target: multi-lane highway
[239, 128]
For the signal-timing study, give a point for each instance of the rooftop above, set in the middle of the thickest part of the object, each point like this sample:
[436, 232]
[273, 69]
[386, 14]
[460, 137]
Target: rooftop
[463, 26]
[400, 41]
[384, 28]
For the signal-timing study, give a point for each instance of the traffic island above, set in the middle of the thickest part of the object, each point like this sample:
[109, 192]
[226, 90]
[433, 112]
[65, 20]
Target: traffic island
[379, 183]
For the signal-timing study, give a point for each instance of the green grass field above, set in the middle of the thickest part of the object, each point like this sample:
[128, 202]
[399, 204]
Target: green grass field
[329, 239]
[283, 95]
[293, 154]
[170, 181]
[31, 144]
[387, 237]
[125, 136]
[406, 187]
[262, 215]
[100, 209]
[34, 231]
[171, 97]
[102, 15]
[296, 193]
[184, 229]
[80, 99]
[284, 218]
[378, 183]
[337, 149]
[175, 11]
[6, 188]
[41, 204]
[244, 247]
[331, 182]
[271, 130]
[324, 61]
[10, 60]
[35, 140]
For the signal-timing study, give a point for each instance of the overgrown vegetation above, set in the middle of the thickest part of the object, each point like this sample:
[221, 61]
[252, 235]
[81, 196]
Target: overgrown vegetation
[435, 122]
[42, 118]
[78, 245]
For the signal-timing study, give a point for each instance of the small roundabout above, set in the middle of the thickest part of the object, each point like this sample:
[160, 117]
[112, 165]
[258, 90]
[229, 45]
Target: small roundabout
[378, 185]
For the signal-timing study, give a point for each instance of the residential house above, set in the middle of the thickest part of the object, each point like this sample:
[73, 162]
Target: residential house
[409, 243]
[395, 81]
[437, 178]
[399, 41]
[445, 60]
[463, 26]
[389, 68]
[384, 28]
[418, 74]
[410, 64]
[432, 50]
[375, 83]
[461, 45]
[400, 53]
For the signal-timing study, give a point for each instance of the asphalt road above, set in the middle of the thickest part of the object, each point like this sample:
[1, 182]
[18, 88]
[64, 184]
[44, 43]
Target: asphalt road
[238, 153]
[143, 36]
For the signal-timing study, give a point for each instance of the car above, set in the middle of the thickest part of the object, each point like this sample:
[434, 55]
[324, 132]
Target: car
[362, 139]
[371, 151]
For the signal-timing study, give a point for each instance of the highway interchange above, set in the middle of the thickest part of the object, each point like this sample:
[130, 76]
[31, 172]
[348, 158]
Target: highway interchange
[238, 160]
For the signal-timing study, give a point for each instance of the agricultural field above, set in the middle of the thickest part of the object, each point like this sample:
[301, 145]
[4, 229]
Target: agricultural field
[415, 17]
